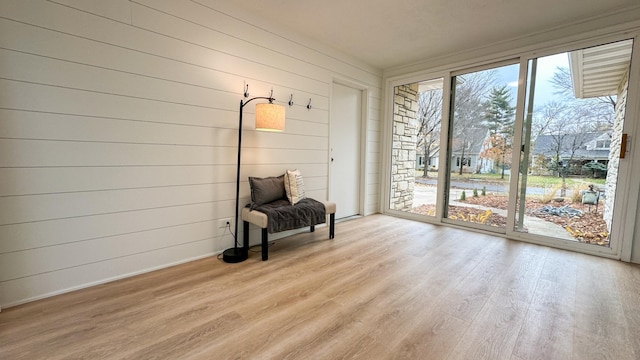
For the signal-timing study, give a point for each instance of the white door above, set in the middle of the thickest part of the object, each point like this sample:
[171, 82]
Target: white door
[346, 119]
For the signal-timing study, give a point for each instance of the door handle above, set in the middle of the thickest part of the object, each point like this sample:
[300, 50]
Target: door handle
[623, 146]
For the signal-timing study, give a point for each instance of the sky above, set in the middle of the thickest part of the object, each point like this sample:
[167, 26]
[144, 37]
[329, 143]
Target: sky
[546, 67]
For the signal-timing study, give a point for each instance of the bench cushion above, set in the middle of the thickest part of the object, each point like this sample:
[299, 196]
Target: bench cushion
[260, 219]
[283, 216]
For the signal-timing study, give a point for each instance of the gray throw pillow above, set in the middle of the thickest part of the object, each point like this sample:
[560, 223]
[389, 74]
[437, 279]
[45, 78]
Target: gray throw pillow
[266, 190]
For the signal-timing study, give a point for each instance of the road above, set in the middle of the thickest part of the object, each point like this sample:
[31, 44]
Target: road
[492, 187]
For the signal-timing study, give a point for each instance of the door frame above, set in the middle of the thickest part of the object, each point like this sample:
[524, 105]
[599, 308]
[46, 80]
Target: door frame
[447, 137]
[364, 114]
[385, 172]
[630, 213]
[626, 209]
[621, 242]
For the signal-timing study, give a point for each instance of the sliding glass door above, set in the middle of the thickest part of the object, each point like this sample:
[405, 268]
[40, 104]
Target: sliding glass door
[529, 148]
[572, 137]
[480, 142]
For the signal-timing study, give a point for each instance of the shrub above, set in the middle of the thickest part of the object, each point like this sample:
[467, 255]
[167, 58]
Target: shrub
[576, 196]
[484, 191]
[549, 195]
[475, 192]
[463, 196]
[597, 169]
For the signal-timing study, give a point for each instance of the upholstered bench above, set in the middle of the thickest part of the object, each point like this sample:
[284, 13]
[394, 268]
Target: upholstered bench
[283, 197]
[261, 220]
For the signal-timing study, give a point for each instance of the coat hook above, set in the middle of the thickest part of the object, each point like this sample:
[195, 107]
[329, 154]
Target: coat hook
[246, 90]
[309, 104]
[291, 100]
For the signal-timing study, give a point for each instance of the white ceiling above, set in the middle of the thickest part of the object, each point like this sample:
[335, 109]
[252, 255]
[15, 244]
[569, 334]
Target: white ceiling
[390, 33]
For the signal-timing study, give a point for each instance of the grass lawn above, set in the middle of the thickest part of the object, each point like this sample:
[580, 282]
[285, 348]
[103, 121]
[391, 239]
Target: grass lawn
[532, 180]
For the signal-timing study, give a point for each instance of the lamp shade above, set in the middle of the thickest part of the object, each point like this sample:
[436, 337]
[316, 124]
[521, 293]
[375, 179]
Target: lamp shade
[269, 117]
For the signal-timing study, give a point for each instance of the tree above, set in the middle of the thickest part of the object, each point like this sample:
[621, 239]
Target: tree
[498, 149]
[499, 117]
[571, 122]
[597, 111]
[549, 113]
[567, 135]
[469, 93]
[429, 117]
[499, 113]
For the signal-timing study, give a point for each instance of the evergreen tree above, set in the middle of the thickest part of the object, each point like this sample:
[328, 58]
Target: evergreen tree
[499, 116]
[499, 113]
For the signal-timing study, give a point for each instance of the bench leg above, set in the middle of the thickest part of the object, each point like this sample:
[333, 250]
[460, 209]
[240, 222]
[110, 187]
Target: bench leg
[313, 228]
[265, 244]
[332, 225]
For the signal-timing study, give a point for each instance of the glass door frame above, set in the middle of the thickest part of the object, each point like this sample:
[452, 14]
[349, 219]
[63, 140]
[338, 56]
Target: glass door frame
[625, 207]
[621, 202]
[442, 156]
[449, 136]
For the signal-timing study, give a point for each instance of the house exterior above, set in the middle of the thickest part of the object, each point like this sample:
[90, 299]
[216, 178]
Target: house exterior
[470, 159]
[432, 162]
[467, 152]
[579, 149]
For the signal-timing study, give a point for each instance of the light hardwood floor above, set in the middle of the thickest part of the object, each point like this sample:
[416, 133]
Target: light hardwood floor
[384, 288]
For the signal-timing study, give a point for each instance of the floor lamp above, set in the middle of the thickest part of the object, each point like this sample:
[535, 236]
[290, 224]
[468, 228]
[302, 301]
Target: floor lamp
[269, 117]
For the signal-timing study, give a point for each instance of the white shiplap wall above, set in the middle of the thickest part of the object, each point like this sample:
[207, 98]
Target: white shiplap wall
[118, 133]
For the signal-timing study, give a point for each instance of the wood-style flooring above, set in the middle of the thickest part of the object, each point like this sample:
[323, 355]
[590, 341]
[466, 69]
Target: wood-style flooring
[384, 288]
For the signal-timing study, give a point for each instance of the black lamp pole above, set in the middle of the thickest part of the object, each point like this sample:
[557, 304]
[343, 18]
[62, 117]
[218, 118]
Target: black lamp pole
[236, 254]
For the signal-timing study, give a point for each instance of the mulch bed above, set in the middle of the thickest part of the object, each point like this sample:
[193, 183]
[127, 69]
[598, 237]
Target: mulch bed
[589, 228]
[463, 212]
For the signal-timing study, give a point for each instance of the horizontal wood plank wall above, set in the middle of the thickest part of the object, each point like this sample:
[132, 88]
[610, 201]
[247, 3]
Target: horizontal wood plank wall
[118, 133]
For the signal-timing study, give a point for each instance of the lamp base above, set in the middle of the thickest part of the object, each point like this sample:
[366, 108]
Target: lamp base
[234, 255]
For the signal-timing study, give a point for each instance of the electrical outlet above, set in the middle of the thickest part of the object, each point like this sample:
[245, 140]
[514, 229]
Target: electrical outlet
[223, 223]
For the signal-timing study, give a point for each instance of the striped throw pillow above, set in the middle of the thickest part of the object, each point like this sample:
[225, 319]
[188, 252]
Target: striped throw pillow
[294, 186]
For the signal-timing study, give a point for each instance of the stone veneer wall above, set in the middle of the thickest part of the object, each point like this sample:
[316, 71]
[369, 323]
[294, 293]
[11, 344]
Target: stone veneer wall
[403, 149]
[614, 153]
